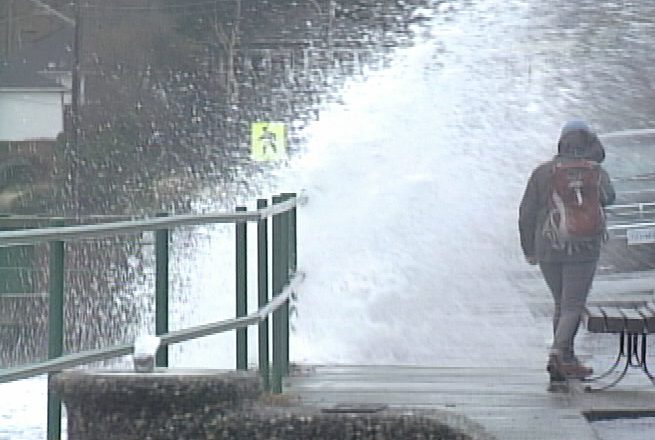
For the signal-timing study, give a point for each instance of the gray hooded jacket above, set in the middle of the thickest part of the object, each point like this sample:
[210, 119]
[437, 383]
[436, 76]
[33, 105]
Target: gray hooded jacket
[577, 141]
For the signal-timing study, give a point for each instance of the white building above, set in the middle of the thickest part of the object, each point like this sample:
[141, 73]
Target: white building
[35, 88]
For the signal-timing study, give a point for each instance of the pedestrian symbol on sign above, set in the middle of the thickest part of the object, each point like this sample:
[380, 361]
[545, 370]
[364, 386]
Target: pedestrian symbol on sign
[268, 141]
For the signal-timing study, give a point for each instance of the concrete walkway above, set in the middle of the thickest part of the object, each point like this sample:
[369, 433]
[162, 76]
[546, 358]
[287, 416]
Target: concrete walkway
[508, 397]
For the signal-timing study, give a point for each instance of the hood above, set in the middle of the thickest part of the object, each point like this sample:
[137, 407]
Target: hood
[577, 141]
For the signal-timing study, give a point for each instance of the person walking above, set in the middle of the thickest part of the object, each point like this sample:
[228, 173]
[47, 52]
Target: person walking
[561, 228]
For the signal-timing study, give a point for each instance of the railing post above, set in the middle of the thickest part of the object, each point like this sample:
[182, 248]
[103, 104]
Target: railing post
[278, 318]
[293, 237]
[293, 247]
[292, 254]
[161, 290]
[262, 294]
[285, 263]
[55, 327]
[241, 290]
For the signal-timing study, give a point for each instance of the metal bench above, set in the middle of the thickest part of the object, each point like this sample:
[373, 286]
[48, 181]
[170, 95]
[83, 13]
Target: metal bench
[632, 322]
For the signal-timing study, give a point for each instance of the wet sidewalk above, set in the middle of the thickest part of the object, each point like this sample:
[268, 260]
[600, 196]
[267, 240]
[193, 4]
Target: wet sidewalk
[510, 404]
[507, 395]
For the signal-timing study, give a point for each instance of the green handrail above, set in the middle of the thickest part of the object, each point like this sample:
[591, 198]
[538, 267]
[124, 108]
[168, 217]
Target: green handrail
[85, 357]
[64, 233]
[285, 281]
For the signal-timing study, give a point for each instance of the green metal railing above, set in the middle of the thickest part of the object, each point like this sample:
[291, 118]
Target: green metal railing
[285, 280]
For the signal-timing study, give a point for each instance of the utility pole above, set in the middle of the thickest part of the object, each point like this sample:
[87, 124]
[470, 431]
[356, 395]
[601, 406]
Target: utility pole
[75, 106]
[76, 80]
[10, 28]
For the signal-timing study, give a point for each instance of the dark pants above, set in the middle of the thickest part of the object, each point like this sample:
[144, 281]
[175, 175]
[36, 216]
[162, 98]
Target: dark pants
[569, 284]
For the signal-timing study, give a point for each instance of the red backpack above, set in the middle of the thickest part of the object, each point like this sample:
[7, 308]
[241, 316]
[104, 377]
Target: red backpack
[575, 213]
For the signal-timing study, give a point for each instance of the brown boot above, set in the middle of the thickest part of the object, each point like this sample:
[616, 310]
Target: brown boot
[573, 370]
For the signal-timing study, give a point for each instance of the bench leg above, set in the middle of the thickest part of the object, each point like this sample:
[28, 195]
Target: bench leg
[634, 352]
[638, 361]
[637, 357]
[644, 359]
[622, 354]
[619, 356]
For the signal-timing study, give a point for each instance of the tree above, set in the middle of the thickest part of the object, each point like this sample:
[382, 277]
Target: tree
[226, 34]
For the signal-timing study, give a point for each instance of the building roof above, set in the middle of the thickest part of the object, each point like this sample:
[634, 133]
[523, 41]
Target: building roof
[26, 69]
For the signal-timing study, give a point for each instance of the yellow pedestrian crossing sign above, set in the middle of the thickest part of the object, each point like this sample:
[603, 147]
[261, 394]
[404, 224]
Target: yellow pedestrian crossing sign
[269, 141]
